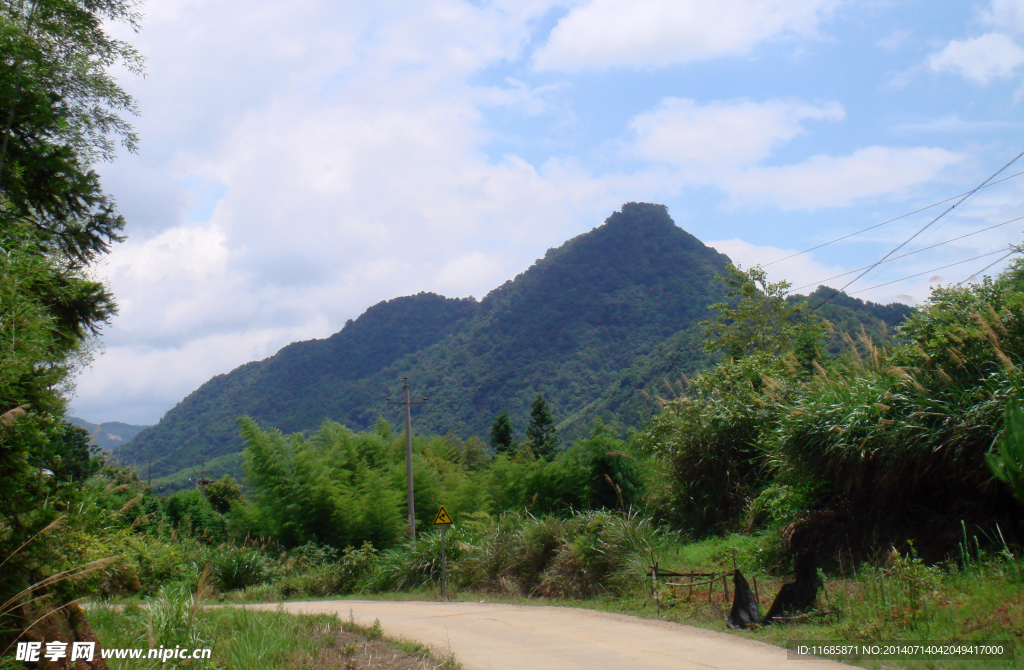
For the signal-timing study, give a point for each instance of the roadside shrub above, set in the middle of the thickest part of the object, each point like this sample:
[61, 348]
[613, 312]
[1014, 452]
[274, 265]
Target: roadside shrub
[579, 556]
[417, 565]
[323, 571]
[712, 442]
[602, 552]
[191, 513]
[237, 567]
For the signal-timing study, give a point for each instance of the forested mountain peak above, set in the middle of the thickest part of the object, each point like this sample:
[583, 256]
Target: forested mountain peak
[589, 326]
[638, 272]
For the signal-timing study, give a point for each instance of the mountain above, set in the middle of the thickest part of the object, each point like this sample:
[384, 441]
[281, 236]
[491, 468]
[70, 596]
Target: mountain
[608, 314]
[300, 386]
[109, 435]
[566, 328]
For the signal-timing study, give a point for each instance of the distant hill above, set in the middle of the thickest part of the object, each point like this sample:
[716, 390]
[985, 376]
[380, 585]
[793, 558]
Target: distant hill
[109, 435]
[592, 324]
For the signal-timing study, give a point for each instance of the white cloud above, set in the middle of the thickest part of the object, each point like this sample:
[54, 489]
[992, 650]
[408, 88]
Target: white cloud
[894, 40]
[722, 143]
[146, 381]
[833, 181]
[463, 276]
[950, 123]
[1005, 15]
[642, 33]
[799, 271]
[722, 134]
[979, 59]
[302, 161]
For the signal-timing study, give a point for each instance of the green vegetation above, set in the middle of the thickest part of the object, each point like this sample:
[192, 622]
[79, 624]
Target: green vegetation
[229, 465]
[344, 489]
[567, 327]
[759, 319]
[58, 115]
[874, 448]
[503, 435]
[666, 417]
[1006, 460]
[242, 638]
[762, 425]
[605, 316]
[59, 112]
[877, 456]
[541, 435]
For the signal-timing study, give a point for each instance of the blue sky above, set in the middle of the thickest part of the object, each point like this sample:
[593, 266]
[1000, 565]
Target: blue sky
[302, 161]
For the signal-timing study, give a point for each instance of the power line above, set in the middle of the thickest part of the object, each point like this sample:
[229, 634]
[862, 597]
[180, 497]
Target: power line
[998, 251]
[990, 265]
[920, 230]
[902, 216]
[909, 253]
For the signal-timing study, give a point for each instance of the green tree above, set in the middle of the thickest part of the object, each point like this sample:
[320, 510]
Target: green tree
[541, 435]
[46, 311]
[59, 114]
[503, 435]
[759, 319]
[59, 111]
[222, 493]
[71, 457]
[474, 454]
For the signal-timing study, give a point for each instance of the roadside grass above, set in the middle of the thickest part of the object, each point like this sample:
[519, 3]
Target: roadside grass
[978, 598]
[242, 639]
[901, 601]
[973, 597]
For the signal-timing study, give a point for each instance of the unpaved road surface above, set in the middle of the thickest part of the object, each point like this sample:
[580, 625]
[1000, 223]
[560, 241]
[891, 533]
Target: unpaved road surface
[488, 636]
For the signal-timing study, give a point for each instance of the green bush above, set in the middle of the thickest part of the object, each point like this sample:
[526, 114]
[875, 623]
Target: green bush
[576, 556]
[237, 567]
[712, 442]
[191, 513]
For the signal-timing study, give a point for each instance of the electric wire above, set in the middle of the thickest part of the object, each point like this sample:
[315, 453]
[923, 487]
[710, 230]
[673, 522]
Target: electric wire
[920, 230]
[991, 253]
[902, 216]
[975, 274]
[909, 253]
[932, 233]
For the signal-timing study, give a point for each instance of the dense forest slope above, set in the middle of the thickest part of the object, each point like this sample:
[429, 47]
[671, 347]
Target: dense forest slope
[609, 314]
[300, 386]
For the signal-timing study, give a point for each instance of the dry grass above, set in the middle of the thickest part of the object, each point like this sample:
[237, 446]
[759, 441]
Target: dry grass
[354, 648]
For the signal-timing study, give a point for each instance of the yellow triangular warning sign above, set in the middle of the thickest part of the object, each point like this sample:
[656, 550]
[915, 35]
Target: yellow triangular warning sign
[442, 518]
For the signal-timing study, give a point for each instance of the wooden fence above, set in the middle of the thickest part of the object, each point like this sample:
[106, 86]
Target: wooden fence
[691, 580]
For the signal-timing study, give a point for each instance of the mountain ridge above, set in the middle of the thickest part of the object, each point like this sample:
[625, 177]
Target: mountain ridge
[107, 435]
[584, 323]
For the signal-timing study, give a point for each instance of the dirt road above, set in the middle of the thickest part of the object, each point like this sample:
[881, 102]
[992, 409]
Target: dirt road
[511, 637]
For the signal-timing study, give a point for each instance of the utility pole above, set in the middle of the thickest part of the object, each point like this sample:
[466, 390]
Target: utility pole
[408, 453]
